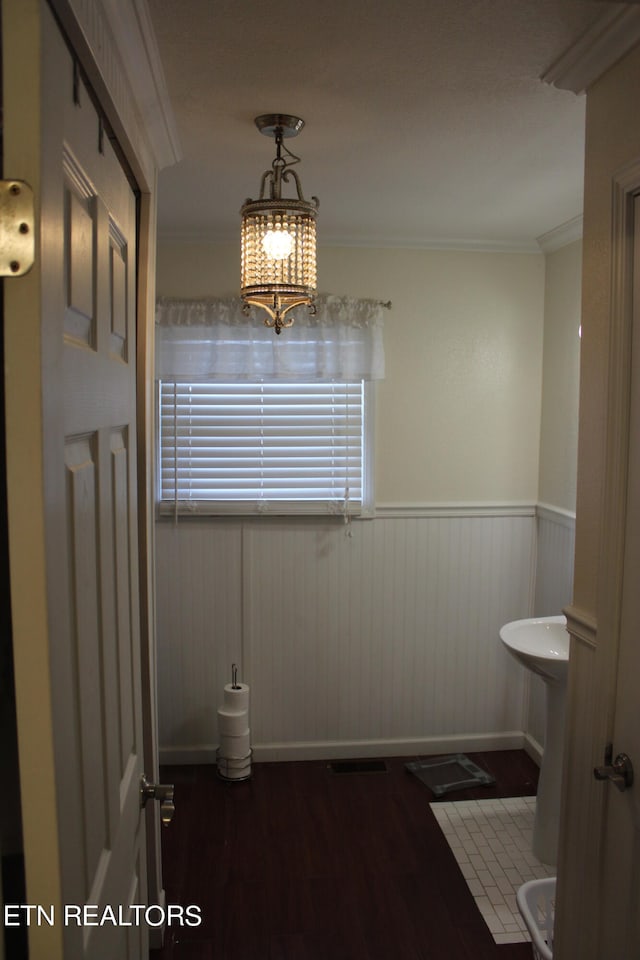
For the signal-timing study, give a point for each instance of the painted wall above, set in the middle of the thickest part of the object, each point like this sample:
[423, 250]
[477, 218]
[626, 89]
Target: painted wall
[558, 451]
[385, 641]
[458, 414]
[561, 376]
[555, 546]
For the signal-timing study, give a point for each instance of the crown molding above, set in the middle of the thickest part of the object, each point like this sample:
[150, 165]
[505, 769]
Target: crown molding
[378, 243]
[561, 235]
[135, 39]
[434, 243]
[612, 36]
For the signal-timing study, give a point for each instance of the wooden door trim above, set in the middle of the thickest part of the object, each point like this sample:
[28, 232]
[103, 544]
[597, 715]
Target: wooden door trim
[594, 655]
[22, 25]
[25, 496]
[626, 183]
[103, 34]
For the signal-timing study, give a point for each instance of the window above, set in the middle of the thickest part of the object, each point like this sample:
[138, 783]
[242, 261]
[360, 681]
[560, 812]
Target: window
[253, 423]
[276, 447]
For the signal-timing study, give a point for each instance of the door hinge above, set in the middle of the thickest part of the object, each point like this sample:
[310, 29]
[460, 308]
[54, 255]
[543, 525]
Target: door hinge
[17, 234]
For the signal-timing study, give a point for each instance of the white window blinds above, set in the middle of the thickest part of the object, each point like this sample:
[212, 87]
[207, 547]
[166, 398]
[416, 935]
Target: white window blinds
[252, 422]
[266, 447]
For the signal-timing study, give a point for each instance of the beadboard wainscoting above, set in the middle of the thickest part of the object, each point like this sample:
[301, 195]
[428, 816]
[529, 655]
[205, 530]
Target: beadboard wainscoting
[376, 638]
[553, 592]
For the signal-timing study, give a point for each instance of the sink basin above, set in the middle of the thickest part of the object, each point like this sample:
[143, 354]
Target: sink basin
[541, 644]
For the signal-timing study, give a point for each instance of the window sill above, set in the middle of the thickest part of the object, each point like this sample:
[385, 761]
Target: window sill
[166, 509]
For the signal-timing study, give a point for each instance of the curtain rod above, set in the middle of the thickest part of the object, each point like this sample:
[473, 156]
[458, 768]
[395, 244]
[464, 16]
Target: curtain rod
[387, 304]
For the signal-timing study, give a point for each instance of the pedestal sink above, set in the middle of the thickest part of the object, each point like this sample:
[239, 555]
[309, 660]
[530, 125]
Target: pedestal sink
[542, 645]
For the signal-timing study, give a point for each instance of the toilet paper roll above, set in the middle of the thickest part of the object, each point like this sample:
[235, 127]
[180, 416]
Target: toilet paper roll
[236, 698]
[235, 746]
[232, 721]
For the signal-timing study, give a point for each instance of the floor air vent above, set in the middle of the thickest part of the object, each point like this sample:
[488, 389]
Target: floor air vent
[358, 766]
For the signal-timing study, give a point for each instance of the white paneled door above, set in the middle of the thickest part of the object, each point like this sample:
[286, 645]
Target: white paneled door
[93, 544]
[620, 889]
[84, 460]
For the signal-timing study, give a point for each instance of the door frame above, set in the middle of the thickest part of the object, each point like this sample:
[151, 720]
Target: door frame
[103, 36]
[611, 567]
[595, 640]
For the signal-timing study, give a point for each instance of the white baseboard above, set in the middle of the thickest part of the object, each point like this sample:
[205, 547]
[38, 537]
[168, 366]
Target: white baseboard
[205, 753]
[533, 748]
[352, 749]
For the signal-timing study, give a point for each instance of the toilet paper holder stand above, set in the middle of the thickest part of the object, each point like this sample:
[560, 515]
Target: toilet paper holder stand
[234, 769]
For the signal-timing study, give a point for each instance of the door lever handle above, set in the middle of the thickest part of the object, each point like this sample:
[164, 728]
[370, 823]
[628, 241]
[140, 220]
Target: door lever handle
[619, 772]
[158, 791]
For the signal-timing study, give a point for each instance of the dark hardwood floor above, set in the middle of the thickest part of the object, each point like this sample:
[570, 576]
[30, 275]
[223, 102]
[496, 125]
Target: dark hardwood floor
[300, 863]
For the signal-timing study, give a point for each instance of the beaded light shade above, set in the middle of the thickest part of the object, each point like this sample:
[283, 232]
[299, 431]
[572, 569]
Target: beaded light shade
[278, 255]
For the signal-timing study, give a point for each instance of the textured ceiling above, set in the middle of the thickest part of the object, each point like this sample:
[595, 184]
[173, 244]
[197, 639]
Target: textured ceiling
[426, 120]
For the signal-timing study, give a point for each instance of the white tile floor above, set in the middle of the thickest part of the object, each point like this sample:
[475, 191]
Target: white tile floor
[491, 840]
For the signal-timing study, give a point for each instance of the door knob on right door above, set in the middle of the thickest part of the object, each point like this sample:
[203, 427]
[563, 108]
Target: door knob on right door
[618, 771]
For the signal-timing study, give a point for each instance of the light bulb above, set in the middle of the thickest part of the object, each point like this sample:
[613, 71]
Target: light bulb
[277, 244]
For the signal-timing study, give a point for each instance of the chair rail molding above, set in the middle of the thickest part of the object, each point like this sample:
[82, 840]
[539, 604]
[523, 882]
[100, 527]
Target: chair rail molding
[566, 518]
[434, 510]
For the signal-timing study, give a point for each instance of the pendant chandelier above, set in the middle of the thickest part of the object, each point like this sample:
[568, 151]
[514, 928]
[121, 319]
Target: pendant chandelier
[278, 255]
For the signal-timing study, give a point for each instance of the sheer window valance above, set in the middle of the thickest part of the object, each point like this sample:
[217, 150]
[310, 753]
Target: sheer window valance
[212, 339]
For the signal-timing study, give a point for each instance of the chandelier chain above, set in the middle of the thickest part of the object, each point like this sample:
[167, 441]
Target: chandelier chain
[280, 166]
